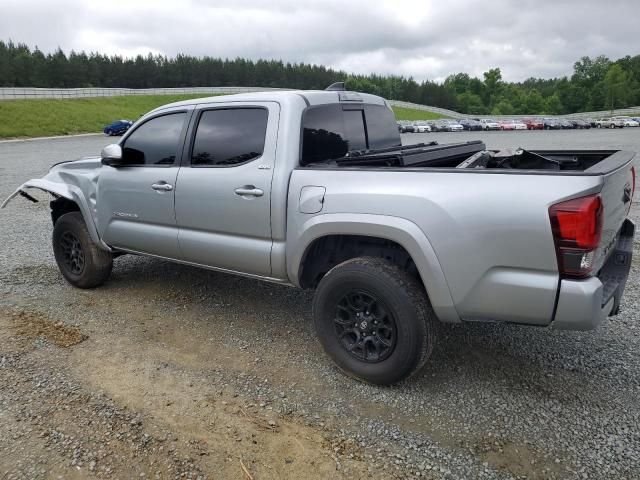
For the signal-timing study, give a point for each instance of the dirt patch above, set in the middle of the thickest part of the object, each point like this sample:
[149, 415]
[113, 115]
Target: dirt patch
[518, 459]
[235, 436]
[32, 325]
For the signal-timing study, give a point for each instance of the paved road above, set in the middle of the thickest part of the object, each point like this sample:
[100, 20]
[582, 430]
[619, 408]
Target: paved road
[186, 371]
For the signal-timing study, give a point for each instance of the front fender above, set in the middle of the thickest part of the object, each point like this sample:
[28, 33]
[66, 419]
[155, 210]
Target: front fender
[70, 192]
[402, 231]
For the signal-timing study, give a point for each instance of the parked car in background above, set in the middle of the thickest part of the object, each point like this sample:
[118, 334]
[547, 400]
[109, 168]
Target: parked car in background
[454, 126]
[610, 123]
[405, 127]
[421, 127]
[489, 124]
[533, 123]
[119, 127]
[591, 121]
[519, 125]
[551, 124]
[579, 123]
[470, 124]
[507, 125]
[627, 121]
[566, 124]
[440, 126]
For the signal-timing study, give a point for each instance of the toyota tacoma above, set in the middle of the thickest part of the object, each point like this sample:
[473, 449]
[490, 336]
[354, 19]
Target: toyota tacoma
[314, 189]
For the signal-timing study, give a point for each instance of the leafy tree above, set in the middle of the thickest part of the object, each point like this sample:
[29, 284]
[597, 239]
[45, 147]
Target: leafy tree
[503, 107]
[534, 103]
[493, 84]
[470, 103]
[616, 83]
[553, 105]
[588, 72]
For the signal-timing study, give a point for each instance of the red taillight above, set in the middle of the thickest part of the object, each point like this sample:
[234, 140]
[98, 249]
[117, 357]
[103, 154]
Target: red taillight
[577, 227]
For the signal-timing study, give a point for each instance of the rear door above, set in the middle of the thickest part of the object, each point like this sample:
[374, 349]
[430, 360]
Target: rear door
[136, 201]
[223, 194]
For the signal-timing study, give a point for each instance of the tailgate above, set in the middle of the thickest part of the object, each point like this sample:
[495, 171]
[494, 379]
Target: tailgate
[616, 194]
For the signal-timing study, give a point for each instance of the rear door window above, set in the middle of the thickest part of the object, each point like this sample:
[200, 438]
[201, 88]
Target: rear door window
[229, 137]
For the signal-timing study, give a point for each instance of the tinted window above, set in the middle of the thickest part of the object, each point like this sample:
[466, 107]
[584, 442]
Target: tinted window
[229, 136]
[331, 131]
[381, 129]
[155, 142]
[323, 135]
[354, 129]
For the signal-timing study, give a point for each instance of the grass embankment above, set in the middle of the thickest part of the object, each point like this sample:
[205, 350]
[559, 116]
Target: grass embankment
[45, 117]
[48, 117]
[413, 114]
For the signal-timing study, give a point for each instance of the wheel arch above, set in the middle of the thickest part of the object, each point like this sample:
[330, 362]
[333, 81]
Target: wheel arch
[393, 230]
[67, 198]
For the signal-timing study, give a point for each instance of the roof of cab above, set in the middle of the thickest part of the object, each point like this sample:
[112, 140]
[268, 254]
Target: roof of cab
[311, 97]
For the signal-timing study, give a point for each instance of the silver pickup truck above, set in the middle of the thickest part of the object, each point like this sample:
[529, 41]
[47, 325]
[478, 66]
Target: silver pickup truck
[313, 189]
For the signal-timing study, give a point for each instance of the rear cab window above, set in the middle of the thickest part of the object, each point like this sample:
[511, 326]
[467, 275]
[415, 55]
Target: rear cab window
[331, 131]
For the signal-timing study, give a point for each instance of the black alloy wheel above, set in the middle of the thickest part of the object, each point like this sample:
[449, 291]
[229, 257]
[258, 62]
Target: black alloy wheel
[73, 254]
[364, 326]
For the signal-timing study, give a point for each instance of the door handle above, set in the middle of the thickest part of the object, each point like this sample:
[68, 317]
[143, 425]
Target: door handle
[162, 187]
[249, 191]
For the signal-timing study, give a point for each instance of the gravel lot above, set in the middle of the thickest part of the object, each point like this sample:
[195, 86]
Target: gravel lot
[172, 372]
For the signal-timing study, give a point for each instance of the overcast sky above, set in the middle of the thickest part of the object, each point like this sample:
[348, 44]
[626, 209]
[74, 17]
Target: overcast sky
[424, 39]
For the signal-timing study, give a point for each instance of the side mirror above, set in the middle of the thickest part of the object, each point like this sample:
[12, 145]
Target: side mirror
[112, 155]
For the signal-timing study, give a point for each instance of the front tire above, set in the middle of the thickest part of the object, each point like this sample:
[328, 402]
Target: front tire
[374, 320]
[79, 259]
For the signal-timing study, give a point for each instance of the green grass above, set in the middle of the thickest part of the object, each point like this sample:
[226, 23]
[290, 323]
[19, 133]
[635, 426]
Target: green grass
[41, 118]
[45, 117]
[413, 114]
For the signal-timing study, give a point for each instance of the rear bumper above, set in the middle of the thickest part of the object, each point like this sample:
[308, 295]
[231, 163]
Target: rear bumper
[585, 304]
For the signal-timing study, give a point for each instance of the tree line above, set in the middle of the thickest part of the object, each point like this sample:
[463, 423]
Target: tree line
[596, 83]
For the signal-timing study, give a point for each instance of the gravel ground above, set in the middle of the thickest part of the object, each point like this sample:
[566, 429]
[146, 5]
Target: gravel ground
[172, 372]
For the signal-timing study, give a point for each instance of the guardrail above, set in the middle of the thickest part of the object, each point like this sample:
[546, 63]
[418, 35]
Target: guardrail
[15, 93]
[34, 93]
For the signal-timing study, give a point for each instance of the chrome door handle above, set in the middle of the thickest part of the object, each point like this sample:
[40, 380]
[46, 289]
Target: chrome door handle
[162, 187]
[249, 191]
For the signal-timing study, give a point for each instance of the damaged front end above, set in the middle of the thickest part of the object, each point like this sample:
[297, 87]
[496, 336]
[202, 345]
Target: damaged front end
[75, 182]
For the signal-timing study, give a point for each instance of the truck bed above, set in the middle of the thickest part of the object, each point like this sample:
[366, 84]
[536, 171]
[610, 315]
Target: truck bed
[473, 155]
[487, 219]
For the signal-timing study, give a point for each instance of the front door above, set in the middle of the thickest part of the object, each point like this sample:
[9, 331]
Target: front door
[223, 193]
[136, 202]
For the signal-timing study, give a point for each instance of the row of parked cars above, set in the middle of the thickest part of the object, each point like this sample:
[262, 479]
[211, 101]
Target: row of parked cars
[476, 124]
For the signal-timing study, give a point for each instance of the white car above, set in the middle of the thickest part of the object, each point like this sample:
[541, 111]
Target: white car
[626, 121]
[422, 128]
[489, 124]
[629, 122]
[519, 125]
[455, 126]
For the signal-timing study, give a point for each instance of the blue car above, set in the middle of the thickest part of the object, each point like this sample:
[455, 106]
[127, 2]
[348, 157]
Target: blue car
[118, 127]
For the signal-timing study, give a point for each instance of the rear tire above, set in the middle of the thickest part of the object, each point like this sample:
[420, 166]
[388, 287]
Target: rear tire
[79, 259]
[374, 320]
